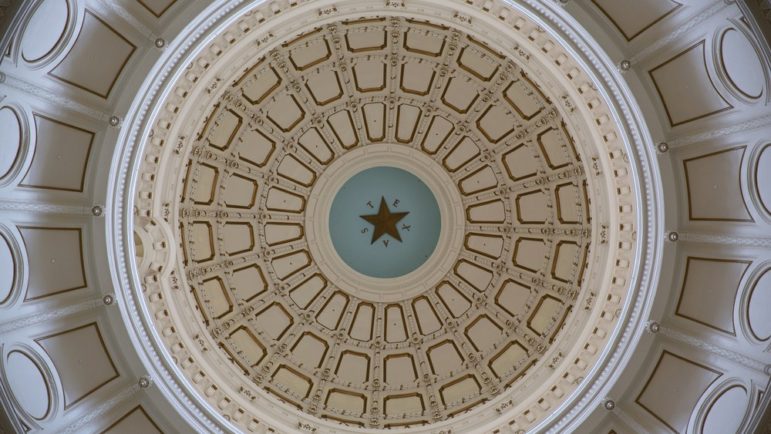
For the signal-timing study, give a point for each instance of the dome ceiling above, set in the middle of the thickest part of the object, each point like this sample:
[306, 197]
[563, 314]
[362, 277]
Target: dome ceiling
[257, 290]
[354, 216]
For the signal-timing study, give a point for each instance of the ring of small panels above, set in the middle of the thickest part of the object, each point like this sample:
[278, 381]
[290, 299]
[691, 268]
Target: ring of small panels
[255, 323]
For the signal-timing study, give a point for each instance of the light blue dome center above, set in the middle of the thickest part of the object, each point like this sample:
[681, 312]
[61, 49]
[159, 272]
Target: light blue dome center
[363, 195]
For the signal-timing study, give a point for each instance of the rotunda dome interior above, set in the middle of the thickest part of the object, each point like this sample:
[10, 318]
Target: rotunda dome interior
[362, 216]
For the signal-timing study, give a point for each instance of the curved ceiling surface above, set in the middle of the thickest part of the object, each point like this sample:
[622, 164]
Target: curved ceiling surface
[358, 216]
[256, 289]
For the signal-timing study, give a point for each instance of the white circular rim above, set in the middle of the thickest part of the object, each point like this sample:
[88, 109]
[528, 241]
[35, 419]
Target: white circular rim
[394, 289]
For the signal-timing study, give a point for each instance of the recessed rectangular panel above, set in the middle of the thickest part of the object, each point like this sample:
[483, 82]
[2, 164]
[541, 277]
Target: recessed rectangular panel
[407, 119]
[240, 192]
[395, 327]
[283, 200]
[308, 54]
[544, 314]
[97, 40]
[459, 390]
[438, 132]
[343, 129]
[306, 291]
[521, 162]
[296, 383]
[314, 144]
[248, 282]
[223, 129]
[363, 322]
[567, 261]
[396, 405]
[353, 367]
[424, 42]
[285, 112]
[296, 171]
[333, 310]
[255, 147]
[236, 237]
[274, 321]
[454, 300]
[309, 351]
[460, 94]
[480, 180]
[400, 370]
[374, 121]
[492, 211]
[369, 75]
[530, 254]
[55, 260]
[60, 157]
[290, 264]
[260, 85]
[485, 244]
[372, 39]
[463, 152]
[277, 233]
[417, 77]
[473, 274]
[503, 362]
[247, 346]
[426, 317]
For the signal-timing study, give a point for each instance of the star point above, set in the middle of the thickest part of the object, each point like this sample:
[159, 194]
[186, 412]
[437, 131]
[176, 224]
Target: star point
[384, 221]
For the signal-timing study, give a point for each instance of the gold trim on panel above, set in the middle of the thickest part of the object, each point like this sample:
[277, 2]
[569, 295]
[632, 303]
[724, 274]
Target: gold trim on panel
[157, 14]
[537, 308]
[52, 72]
[82, 258]
[630, 37]
[701, 43]
[653, 374]
[129, 413]
[68, 405]
[741, 192]
[736, 292]
[85, 163]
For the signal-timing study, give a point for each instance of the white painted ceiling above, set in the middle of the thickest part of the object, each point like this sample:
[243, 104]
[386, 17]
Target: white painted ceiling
[612, 161]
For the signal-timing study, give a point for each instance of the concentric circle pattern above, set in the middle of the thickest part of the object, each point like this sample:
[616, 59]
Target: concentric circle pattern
[506, 149]
[398, 242]
[276, 322]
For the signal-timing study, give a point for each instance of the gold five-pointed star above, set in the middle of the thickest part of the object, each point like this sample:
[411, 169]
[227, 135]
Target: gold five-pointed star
[384, 221]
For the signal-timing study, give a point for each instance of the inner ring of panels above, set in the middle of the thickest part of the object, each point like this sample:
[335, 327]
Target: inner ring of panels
[283, 323]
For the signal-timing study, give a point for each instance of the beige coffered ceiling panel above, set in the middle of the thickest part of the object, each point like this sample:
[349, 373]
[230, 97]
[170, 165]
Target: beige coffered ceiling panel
[673, 389]
[633, 18]
[709, 290]
[262, 159]
[686, 88]
[61, 156]
[135, 421]
[713, 186]
[97, 59]
[55, 258]
[82, 361]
